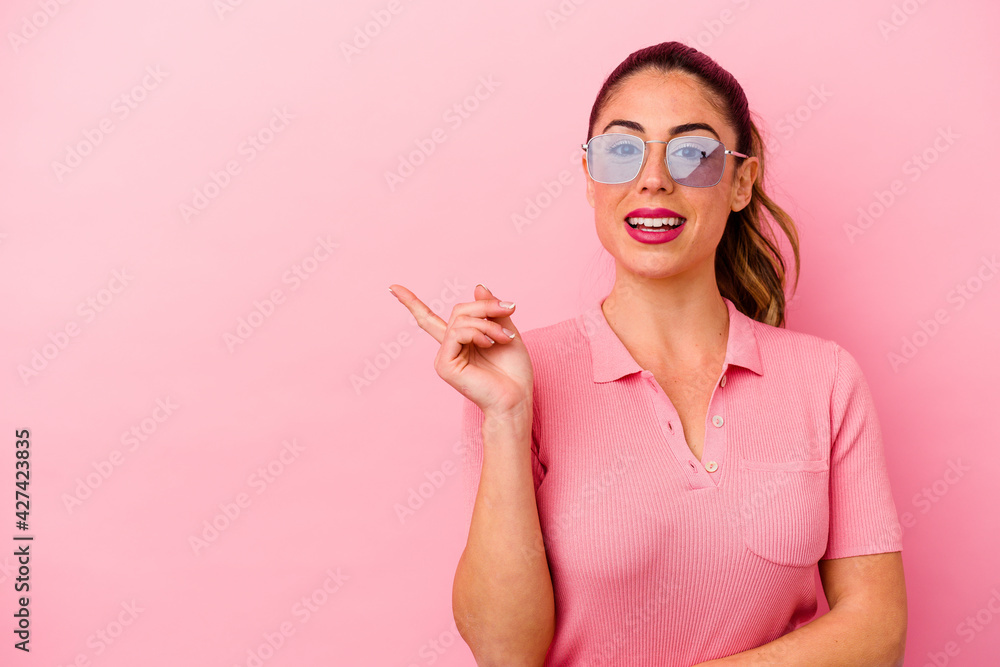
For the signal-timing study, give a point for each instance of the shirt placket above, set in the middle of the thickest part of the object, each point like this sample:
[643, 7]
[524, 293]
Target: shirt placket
[700, 474]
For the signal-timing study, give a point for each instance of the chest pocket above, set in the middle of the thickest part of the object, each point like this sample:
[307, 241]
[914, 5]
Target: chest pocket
[784, 510]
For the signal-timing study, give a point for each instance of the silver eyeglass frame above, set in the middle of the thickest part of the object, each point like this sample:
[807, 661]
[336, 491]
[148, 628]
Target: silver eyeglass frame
[585, 145]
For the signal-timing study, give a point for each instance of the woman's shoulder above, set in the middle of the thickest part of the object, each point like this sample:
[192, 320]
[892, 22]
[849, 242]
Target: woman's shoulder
[801, 351]
[554, 343]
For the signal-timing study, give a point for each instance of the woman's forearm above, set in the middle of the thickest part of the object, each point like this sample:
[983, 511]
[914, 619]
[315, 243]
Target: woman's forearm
[502, 598]
[845, 636]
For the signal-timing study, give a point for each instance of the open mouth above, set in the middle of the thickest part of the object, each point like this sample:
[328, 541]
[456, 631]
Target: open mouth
[655, 224]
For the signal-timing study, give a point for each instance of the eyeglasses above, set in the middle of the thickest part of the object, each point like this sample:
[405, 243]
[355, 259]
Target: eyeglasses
[697, 162]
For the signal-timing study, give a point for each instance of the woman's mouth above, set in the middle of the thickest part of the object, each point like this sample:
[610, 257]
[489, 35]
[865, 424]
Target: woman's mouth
[655, 224]
[654, 230]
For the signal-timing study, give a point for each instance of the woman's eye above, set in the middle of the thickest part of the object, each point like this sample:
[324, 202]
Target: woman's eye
[689, 153]
[624, 150]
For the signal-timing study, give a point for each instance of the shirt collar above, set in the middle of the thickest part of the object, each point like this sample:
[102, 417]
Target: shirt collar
[612, 360]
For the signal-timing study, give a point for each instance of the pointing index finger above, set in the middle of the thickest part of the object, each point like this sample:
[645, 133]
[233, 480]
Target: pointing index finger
[425, 317]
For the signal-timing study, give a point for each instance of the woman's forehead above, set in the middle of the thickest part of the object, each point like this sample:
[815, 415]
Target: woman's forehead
[656, 90]
[659, 102]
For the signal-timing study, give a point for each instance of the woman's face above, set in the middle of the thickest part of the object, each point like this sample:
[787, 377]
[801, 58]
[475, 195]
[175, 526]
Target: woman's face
[650, 105]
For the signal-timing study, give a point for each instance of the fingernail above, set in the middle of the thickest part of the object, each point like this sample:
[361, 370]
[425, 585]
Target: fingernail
[391, 292]
[509, 305]
[510, 334]
[483, 286]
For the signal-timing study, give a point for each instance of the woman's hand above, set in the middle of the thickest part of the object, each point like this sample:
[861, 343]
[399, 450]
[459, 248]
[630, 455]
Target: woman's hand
[476, 357]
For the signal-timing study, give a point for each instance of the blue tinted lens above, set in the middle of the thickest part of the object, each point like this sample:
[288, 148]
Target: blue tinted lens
[614, 158]
[697, 162]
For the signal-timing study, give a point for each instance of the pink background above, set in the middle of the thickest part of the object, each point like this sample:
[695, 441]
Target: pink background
[125, 303]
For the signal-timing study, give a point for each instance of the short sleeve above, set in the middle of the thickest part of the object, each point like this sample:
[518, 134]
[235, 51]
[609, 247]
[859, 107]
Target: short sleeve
[471, 437]
[863, 518]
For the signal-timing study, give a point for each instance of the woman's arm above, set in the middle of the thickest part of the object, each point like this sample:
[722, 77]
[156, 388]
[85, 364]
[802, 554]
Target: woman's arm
[502, 597]
[866, 624]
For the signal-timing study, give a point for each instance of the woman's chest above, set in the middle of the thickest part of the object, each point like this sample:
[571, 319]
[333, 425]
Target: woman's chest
[690, 394]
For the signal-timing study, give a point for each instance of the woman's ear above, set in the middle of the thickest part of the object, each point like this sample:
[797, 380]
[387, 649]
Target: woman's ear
[746, 175]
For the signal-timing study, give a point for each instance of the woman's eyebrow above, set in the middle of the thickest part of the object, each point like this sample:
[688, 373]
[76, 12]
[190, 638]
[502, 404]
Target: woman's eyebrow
[686, 127]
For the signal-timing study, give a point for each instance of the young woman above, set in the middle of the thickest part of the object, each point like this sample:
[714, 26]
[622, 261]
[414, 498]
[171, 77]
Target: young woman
[656, 481]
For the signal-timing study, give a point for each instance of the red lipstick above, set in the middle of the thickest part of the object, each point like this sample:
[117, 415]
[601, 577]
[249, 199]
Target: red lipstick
[665, 232]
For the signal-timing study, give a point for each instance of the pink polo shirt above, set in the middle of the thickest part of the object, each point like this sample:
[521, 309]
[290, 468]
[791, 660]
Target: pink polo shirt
[658, 558]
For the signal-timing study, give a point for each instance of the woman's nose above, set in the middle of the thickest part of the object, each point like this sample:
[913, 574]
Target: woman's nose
[654, 174]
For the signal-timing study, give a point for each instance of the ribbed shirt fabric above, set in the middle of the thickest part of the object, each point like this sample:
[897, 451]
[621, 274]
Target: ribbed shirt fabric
[658, 558]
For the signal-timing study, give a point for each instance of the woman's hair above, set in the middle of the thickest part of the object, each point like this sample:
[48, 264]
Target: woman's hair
[749, 267]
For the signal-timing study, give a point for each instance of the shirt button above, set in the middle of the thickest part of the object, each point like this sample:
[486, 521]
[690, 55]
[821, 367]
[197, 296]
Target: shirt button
[723, 382]
[717, 420]
[711, 466]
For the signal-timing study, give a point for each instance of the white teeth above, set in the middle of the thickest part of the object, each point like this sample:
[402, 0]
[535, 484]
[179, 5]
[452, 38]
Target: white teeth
[655, 222]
